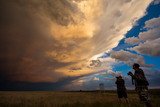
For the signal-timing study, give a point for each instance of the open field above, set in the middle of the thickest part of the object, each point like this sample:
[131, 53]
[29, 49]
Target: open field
[70, 99]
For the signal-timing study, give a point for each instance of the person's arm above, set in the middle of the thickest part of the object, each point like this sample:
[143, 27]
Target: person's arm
[123, 81]
[144, 78]
[142, 72]
[116, 82]
[132, 75]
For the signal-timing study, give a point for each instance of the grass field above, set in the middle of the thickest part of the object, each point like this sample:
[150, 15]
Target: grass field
[70, 99]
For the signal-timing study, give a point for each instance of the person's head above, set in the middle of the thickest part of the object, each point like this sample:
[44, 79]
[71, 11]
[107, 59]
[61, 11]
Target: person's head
[119, 77]
[136, 66]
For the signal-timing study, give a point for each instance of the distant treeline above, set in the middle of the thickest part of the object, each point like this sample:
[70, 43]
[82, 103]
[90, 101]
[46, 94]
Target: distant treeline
[153, 91]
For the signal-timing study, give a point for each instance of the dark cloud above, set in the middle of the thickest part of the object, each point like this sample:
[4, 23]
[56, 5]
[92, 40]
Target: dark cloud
[26, 86]
[24, 42]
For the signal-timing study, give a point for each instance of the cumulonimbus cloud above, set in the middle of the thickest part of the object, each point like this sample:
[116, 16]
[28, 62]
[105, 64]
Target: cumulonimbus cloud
[43, 40]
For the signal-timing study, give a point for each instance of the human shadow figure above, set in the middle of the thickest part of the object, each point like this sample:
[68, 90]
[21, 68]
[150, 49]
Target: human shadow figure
[141, 84]
[121, 89]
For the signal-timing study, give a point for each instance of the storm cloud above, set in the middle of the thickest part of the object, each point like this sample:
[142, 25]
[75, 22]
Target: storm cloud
[46, 40]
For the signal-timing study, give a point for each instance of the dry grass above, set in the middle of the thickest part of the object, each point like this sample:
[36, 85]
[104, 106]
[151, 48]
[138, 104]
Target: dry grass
[68, 99]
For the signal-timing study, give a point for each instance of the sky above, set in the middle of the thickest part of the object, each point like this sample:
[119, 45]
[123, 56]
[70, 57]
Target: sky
[77, 44]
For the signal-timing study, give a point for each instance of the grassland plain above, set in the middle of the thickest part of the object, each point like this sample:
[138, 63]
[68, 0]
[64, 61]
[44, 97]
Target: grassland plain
[71, 99]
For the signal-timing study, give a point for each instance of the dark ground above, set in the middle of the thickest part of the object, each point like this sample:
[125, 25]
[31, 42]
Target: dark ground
[71, 99]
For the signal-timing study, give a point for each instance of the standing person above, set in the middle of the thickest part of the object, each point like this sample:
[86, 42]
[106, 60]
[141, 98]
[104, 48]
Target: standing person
[121, 89]
[141, 84]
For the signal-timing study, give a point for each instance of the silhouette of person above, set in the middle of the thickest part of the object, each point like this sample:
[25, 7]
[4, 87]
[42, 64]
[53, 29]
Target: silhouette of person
[141, 84]
[121, 89]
